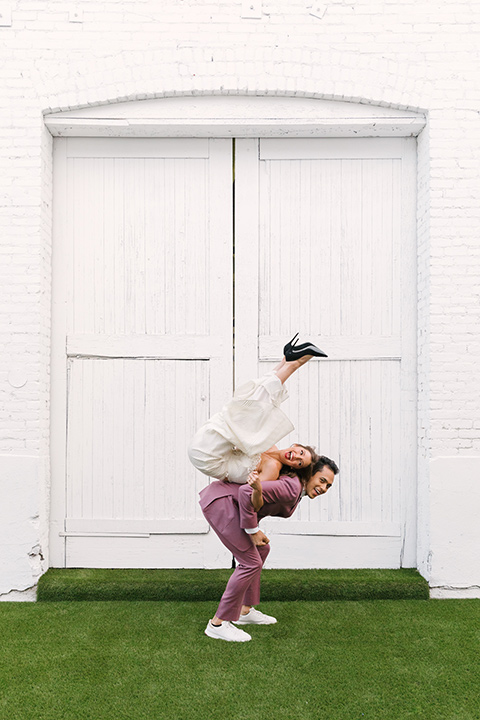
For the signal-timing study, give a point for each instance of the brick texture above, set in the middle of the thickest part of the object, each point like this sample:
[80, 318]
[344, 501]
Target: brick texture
[57, 55]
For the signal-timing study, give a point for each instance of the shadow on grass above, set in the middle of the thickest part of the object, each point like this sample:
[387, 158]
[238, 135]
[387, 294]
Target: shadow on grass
[376, 660]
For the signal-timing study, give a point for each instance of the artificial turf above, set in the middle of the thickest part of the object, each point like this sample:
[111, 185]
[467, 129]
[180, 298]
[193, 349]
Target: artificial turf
[380, 660]
[140, 584]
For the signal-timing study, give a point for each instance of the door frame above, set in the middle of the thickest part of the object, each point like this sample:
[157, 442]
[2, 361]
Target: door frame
[242, 116]
[215, 116]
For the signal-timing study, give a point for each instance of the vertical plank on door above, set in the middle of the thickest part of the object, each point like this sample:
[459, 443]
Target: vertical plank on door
[247, 268]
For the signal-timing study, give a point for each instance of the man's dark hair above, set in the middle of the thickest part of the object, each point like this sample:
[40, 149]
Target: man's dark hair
[320, 463]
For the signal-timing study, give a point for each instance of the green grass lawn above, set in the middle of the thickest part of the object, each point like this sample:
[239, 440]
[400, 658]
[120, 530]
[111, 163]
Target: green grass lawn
[368, 660]
[182, 584]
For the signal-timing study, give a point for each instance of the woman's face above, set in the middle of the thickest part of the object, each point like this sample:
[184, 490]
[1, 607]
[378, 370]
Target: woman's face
[320, 482]
[296, 456]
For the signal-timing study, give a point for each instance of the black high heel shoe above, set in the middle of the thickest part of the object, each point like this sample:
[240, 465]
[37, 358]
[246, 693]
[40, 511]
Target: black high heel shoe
[295, 352]
[290, 345]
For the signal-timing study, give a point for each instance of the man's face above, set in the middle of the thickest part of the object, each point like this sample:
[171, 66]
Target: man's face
[320, 482]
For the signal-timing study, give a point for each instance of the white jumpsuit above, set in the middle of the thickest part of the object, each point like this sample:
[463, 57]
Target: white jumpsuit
[229, 445]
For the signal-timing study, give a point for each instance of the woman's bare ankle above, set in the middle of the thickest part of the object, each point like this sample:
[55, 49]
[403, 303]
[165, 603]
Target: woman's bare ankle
[301, 361]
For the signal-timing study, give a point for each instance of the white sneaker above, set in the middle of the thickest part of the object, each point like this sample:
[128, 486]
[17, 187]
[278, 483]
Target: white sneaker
[255, 617]
[226, 631]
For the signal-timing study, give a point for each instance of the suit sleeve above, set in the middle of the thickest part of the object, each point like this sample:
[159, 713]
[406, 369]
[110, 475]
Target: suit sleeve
[285, 490]
[248, 516]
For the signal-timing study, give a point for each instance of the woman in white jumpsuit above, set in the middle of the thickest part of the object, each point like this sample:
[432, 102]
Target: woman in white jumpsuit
[241, 437]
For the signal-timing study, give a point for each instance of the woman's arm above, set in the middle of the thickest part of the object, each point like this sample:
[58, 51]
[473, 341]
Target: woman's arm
[268, 468]
[256, 484]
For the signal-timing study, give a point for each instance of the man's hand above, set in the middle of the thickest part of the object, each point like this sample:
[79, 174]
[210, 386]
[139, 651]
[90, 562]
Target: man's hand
[259, 538]
[254, 481]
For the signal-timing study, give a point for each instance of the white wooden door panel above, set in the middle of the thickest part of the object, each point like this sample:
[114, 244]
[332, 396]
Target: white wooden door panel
[145, 550]
[331, 148]
[138, 148]
[134, 419]
[333, 551]
[333, 406]
[335, 248]
[326, 220]
[142, 349]
[142, 270]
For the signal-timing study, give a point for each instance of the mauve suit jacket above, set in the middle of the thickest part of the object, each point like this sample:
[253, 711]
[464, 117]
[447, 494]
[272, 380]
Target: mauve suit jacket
[281, 498]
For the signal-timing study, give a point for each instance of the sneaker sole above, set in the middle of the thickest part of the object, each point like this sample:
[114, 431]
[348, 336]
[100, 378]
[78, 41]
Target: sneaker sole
[270, 622]
[219, 637]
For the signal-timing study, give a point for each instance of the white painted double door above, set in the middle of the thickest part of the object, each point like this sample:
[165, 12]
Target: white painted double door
[183, 264]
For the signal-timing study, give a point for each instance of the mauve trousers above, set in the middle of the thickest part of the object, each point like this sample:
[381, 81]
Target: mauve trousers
[243, 587]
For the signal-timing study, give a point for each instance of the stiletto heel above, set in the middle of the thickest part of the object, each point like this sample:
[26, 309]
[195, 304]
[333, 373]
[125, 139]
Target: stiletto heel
[295, 352]
[290, 345]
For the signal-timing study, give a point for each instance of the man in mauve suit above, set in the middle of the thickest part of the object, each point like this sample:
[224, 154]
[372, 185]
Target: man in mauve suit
[230, 510]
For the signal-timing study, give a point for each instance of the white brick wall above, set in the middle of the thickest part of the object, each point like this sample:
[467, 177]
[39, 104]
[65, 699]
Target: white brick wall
[410, 54]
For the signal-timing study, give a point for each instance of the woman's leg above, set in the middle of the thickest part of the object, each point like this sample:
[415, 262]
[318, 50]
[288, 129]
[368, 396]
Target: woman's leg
[208, 452]
[286, 368]
[250, 423]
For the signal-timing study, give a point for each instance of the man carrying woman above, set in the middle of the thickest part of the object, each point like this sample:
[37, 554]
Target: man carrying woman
[254, 479]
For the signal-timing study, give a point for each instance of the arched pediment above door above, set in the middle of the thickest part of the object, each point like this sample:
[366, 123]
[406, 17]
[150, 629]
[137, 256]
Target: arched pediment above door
[236, 116]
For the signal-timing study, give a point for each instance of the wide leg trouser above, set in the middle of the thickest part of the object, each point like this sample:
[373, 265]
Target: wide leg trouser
[243, 587]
